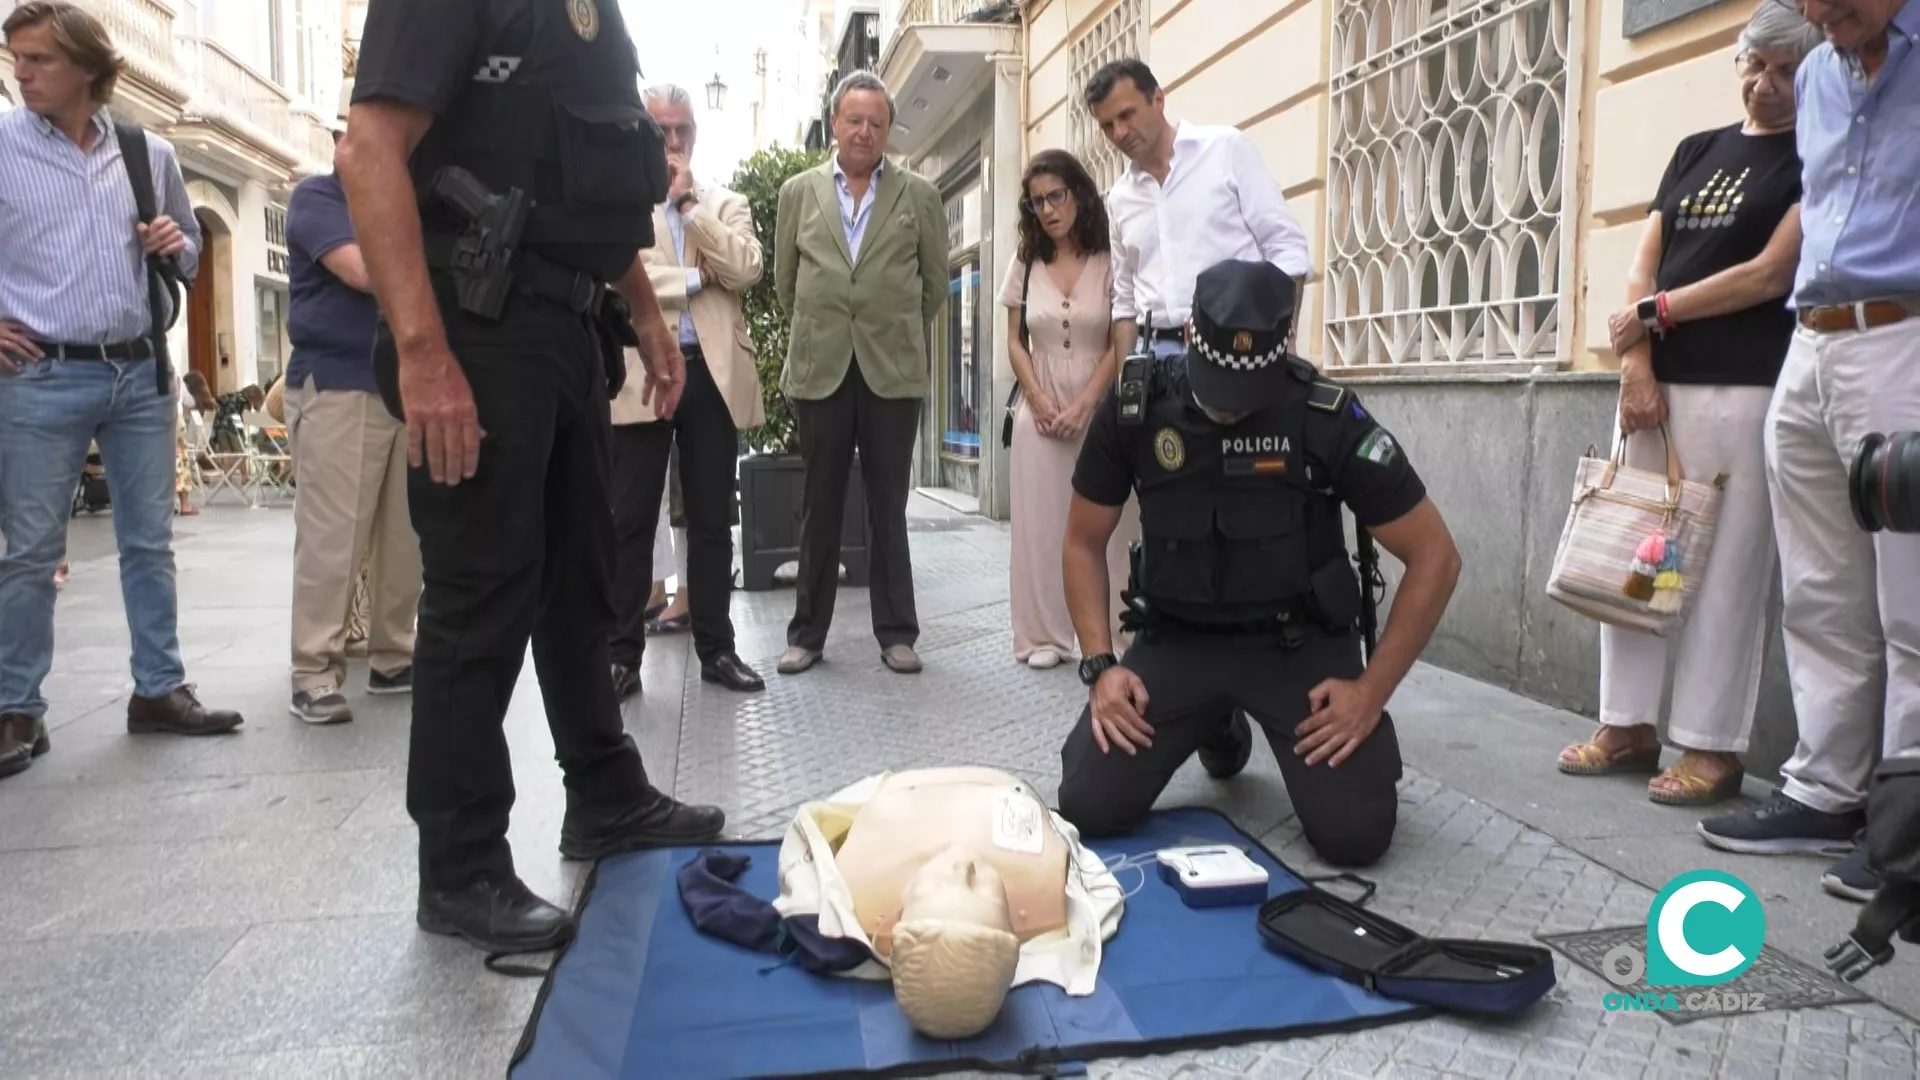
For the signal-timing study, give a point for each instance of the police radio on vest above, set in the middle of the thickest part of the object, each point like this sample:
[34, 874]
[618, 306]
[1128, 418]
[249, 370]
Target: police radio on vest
[1256, 444]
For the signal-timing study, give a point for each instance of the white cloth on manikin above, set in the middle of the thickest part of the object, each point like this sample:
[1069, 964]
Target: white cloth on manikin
[1069, 958]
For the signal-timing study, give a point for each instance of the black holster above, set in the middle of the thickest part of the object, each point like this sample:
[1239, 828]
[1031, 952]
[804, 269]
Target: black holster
[613, 325]
[1334, 597]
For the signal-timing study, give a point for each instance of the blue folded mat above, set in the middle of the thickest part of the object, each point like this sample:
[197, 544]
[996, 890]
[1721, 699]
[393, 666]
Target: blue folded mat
[641, 993]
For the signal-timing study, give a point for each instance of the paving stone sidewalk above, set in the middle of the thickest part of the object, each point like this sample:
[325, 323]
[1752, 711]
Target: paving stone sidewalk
[243, 907]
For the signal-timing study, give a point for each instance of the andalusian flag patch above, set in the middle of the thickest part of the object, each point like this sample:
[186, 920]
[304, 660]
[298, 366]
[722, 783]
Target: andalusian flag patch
[1378, 448]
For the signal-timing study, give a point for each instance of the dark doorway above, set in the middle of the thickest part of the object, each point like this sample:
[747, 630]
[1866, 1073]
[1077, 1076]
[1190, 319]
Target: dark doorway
[201, 355]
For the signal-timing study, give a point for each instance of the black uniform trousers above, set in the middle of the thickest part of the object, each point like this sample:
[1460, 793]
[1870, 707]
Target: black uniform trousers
[709, 447]
[523, 549]
[1194, 682]
[830, 429]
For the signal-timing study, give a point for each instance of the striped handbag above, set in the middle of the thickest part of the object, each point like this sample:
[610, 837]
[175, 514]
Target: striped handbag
[1635, 542]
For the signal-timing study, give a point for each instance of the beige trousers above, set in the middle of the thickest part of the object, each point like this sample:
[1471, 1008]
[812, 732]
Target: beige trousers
[1717, 651]
[350, 505]
[1852, 618]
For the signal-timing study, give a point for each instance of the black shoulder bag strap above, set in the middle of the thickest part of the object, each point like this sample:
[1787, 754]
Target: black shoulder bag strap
[163, 275]
[1013, 397]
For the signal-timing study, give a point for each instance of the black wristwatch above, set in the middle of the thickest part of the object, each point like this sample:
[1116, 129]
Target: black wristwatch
[1648, 311]
[1093, 666]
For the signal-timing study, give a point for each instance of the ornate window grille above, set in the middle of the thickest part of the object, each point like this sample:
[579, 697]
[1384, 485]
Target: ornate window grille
[1446, 182]
[1120, 33]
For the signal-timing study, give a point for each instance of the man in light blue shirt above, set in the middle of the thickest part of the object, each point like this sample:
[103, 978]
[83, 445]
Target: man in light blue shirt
[1852, 616]
[77, 367]
[705, 255]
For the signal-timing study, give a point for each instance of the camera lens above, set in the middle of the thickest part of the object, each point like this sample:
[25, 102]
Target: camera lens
[1884, 483]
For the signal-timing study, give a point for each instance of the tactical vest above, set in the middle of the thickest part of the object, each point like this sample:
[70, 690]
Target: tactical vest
[555, 111]
[1232, 530]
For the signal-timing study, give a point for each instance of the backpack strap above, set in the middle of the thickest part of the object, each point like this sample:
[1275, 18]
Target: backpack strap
[133, 150]
[163, 275]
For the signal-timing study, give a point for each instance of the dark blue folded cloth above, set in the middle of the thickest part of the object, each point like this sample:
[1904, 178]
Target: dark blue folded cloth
[721, 909]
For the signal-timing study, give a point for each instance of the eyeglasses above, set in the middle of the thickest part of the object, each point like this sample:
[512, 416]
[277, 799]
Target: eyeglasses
[1752, 66]
[1055, 198]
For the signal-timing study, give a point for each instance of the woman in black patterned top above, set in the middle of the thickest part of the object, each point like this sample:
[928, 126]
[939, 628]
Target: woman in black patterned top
[1701, 341]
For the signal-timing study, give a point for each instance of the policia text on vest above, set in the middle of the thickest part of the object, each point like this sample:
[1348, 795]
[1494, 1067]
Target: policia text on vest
[511, 117]
[1243, 597]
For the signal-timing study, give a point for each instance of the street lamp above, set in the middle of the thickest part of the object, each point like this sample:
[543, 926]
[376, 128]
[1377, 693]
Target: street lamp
[716, 93]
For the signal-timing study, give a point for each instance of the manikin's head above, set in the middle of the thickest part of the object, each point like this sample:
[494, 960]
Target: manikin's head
[954, 952]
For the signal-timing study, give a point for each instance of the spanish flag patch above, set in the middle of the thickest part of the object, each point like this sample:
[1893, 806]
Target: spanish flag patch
[1260, 465]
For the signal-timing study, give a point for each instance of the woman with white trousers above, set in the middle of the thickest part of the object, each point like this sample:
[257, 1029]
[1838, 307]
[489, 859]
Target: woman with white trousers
[1701, 342]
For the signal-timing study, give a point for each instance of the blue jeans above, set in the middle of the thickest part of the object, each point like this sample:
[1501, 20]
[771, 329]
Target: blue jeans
[49, 412]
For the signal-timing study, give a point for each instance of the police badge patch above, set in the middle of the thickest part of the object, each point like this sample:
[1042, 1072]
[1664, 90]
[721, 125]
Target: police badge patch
[1169, 450]
[585, 15]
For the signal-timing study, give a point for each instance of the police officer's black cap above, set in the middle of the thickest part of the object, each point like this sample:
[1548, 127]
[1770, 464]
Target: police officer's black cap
[1237, 352]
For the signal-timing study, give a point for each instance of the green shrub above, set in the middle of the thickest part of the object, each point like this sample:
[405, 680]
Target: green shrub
[759, 180]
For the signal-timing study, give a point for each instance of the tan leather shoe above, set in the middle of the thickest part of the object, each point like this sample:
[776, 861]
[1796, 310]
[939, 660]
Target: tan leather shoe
[901, 659]
[796, 660]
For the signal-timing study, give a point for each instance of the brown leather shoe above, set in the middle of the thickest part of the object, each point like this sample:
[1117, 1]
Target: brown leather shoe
[179, 713]
[22, 738]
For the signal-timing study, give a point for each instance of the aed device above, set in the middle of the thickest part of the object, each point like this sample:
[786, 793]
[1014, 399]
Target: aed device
[1213, 876]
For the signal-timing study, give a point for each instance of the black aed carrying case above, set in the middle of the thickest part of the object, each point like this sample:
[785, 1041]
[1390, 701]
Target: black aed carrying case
[1336, 936]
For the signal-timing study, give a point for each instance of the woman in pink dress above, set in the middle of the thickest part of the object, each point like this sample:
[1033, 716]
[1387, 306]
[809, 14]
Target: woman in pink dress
[1066, 368]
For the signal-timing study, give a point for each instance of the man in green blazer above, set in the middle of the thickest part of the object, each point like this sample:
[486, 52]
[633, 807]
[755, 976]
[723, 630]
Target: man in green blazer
[860, 263]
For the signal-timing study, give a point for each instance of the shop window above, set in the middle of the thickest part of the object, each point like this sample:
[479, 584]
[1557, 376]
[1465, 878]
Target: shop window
[960, 435]
[1446, 182]
[272, 304]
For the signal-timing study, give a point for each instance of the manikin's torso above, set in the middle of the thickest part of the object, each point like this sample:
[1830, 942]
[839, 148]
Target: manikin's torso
[918, 813]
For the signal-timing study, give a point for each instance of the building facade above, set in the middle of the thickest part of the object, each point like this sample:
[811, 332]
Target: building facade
[955, 72]
[1472, 176]
[245, 90]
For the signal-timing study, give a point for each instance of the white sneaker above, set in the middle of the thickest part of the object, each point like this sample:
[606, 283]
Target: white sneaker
[1044, 659]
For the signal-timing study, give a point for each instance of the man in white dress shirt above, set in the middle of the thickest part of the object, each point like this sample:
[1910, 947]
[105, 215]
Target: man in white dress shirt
[1192, 196]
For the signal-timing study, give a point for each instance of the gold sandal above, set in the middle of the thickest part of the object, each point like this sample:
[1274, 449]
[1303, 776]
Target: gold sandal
[1695, 789]
[1591, 759]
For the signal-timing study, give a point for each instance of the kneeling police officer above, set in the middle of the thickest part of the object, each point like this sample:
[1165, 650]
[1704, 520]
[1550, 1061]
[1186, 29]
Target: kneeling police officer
[501, 174]
[1243, 601]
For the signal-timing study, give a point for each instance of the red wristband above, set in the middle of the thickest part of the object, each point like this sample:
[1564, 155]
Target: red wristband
[1666, 316]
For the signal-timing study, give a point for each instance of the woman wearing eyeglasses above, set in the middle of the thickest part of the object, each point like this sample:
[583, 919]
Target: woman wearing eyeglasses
[1063, 278]
[1701, 341]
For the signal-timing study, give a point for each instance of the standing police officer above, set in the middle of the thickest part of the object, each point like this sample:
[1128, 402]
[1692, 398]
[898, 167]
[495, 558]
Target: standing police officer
[1243, 596]
[501, 173]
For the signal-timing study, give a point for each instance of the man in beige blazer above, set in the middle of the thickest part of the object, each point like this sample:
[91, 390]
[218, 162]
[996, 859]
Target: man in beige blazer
[705, 252]
[861, 264]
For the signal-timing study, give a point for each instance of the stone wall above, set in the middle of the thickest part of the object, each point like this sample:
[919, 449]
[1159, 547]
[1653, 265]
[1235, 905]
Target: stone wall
[1498, 456]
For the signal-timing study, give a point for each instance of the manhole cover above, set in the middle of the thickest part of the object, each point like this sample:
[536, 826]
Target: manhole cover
[1780, 981]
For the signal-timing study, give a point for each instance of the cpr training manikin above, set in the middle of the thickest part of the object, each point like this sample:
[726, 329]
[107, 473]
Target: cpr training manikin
[961, 882]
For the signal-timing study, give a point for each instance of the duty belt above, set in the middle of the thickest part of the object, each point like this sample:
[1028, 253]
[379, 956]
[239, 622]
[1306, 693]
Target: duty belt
[533, 275]
[1284, 624]
[1860, 315]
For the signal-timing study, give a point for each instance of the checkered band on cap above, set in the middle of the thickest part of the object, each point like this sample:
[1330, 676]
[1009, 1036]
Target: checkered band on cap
[1232, 361]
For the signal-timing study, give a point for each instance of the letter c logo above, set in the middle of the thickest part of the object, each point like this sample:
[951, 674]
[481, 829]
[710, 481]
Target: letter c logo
[1704, 928]
[1673, 928]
